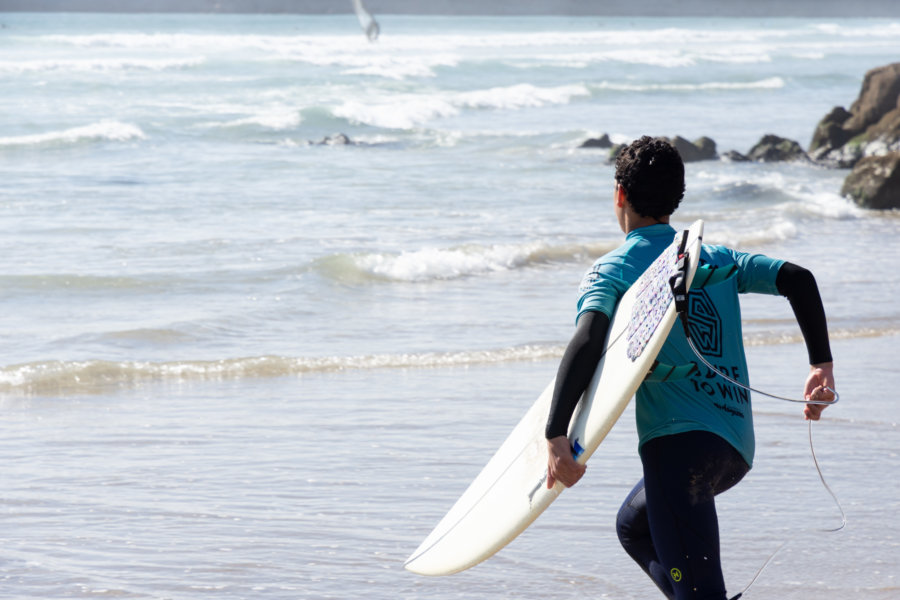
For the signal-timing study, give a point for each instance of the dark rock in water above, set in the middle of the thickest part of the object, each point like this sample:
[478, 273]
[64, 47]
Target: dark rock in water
[601, 142]
[338, 140]
[875, 182]
[866, 138]
[884, 136]
[707, 148]
[772, 148]
[871, 126]
[734, 156]
[842, 157]
[879, 95]
[686, 149]
[830, 133]
[702, 149]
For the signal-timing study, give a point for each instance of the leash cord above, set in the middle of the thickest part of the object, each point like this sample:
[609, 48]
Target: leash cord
[783, 544]
[812, 451]
[751, 389]
[759, 572]
[824, 483]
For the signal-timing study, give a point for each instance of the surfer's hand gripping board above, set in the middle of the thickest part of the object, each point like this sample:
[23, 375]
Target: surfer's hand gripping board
[562, 465]
[510, 492]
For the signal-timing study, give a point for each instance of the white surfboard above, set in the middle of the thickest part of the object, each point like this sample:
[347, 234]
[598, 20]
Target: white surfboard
[511, 492]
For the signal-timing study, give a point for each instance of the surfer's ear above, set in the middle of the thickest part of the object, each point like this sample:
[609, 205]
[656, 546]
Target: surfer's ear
[620, 196]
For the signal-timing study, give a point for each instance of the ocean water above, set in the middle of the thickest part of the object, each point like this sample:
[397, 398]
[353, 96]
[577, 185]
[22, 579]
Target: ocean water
[241, 362]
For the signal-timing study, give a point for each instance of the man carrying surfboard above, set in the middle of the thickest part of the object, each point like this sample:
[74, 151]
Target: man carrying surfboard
[695, 427]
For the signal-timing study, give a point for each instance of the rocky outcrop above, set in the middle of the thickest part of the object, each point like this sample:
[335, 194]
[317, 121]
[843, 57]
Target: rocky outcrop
[867, 139]
[772, 148]
[701, 149]
[830, 139]
[734, 156]
[879, 96]
[601, 142]
[339, 139]
[706, 147]
[870, 128]
[875, 182]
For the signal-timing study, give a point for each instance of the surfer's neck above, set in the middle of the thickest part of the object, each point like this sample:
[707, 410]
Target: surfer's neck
[631, 221]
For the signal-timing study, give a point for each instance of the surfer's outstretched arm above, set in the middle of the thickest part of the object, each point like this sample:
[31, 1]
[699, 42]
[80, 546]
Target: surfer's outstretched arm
[798, 285]
[575, 371]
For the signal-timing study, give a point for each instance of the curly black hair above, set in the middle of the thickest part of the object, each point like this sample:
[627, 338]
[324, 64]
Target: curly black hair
[651, 172]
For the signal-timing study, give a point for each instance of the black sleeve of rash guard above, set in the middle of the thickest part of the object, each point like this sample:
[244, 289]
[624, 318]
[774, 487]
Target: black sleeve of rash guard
[575, 370]
[798, 285]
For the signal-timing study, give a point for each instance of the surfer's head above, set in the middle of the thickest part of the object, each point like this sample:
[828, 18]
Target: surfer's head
[651, 172]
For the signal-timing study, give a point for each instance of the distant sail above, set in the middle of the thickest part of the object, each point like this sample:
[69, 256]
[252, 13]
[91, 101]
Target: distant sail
[366, 21]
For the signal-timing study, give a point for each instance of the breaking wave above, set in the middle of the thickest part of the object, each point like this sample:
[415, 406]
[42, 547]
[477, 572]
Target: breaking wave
[97, 376]
[99, 65]
[770, 83]
[451, 263]
[406, 111]
[113, 131]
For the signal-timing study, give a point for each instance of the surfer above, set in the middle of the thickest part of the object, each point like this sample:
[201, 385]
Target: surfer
[695, 428]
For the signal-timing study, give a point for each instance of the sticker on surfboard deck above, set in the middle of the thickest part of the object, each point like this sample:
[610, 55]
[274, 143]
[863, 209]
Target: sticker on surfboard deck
[653, 299]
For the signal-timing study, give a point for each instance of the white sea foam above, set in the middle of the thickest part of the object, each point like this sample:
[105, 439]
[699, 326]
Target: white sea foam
[406, 111]
[176, 41]
[521, 96]
[829, 204]
[98, 376]
[397, 68]
[769, 83]
[451, 263]
[662, 57]
[278, 118]
[890, 31]
[436, 263]
[104, 130]
[779, 230]
[399, 112]
[800, 196]
[380, 64]
[405, 55]
[99, 64]
[810, 55]
[399, 42]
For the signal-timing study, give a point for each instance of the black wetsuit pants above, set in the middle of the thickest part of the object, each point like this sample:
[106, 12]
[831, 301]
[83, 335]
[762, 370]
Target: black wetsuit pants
[668, 523]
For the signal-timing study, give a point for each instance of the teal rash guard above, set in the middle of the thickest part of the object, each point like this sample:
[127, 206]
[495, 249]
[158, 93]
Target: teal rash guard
[701, 401]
